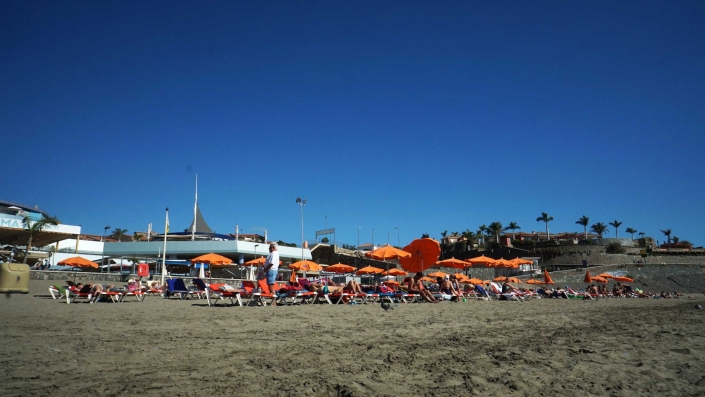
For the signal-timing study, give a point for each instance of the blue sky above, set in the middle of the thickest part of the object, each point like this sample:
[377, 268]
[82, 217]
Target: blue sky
[421, 116]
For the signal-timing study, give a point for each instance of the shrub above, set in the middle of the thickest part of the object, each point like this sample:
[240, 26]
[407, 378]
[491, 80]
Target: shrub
[615, 248]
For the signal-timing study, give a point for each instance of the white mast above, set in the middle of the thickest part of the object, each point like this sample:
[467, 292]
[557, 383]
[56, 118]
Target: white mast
[166, 231]
[195, 208]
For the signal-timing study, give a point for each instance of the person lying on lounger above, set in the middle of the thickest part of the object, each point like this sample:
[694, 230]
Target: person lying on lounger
[415, 286]
[352, 286]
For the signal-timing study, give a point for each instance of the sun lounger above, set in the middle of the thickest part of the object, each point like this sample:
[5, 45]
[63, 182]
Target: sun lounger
[57, 292]
[251, 292]
[177, 287]
[216, 292]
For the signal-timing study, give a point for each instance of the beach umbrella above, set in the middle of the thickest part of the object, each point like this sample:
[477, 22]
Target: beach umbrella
[454, 263]
[499, 278]
[460, 276]
[257, 262]
[534, 281]
[424, 254]
[437, 274]
[624, 279]
[587, 278]
[599, 279]
[387, 252]
[391, 282]
[305, 266]
[474, 281]
[369, 270]
[482, 260]
[78, 261]
[212, 259]
[521, 261]
[514, 280]
[340, 268]
[605, 275]
[547, 277]
[501, 262]
[428, 279]
[395, 272]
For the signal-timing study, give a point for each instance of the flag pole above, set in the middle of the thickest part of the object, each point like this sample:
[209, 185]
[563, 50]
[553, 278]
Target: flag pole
[195, 207]
[166, 232]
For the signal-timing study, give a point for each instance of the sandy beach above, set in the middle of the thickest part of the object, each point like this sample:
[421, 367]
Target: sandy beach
[615, 347]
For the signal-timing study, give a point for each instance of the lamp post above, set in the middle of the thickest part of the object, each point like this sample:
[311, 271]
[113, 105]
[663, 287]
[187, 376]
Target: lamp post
[398, 239]
[301, 204]
[373, 238]
[252, 267]
[102, 259]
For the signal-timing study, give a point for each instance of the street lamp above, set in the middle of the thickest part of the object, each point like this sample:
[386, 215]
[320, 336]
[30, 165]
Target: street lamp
[373, 238]
[251, 267]
[301, 204]
[102, 259]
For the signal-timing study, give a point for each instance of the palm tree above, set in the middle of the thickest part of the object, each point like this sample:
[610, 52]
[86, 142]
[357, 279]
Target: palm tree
[584, 221]
[469, 236]
[642, 234]
[667, 233]
[512, 226]
[444, 234]
[631, 231]
[496, 228]
[425, 235]
[483, 232]
[118, 233]
[34, 228]
[616, 224]
[138, 237]
[545, 218]
[599, 228]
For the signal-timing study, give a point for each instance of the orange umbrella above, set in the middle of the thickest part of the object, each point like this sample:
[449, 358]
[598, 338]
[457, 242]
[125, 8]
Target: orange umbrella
[391, 282]
[460, 276]
[305, 266]
[424, 254]
[605, 275]
[501, 262]
[340, 268]
[599, 279]
[387, 252]
[369, 270]
[521, 261]
[547, 277]
[454, 263]
[395, 272]
[534, 281]
[500, 278]
[624, 279]
[475, 281]
[212, 259]
[587, 277]
[257, 262]
[437, 274]
[514, 280]
[428, 279]
[482, 260]
[78, 261]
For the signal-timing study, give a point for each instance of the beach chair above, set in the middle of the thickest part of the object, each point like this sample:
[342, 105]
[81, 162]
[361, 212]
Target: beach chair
[482, 293]
[177, 287]
[132, 289]
[57, 292]
[293, 292]
[251, 292]
[496, 290]
[216, 292]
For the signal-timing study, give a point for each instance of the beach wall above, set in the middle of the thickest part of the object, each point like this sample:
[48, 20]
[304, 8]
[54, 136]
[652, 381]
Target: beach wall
[641, 272]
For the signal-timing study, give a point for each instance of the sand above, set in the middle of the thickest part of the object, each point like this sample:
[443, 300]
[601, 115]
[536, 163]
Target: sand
[620, 347]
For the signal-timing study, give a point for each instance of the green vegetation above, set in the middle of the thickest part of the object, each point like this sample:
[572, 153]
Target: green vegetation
[615, 248]
[34, 228]
[599, 228]
[545, 218]
[584, 221]
[616, 224]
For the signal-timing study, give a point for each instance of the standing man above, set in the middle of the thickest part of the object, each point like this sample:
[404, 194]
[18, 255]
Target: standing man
[271, 269]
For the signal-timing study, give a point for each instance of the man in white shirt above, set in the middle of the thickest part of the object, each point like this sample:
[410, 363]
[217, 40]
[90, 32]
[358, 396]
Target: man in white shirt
[271, 268]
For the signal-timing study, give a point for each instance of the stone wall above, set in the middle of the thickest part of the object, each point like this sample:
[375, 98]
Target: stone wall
[645, 271]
